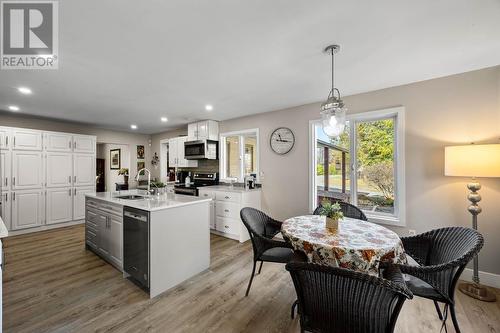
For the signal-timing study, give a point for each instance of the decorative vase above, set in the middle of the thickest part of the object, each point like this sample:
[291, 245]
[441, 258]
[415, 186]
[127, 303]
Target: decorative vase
[332, 224]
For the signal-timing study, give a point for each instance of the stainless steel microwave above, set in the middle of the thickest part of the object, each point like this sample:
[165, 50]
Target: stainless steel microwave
[200, 150]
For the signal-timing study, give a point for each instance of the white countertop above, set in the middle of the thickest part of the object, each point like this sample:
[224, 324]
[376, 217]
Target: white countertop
[151, 202]
[3, 229]
[235, 189]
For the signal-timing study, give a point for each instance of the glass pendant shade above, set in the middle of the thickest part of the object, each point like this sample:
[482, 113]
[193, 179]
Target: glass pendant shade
[334, 121]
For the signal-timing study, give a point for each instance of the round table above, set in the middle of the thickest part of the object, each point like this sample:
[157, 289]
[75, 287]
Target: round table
[357, 245]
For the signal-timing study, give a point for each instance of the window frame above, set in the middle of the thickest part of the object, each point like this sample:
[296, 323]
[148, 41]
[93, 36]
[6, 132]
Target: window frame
[398, 113]
[223, 158]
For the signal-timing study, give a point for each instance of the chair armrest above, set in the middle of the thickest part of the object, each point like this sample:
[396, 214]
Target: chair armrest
[418, 247]
[393, 274]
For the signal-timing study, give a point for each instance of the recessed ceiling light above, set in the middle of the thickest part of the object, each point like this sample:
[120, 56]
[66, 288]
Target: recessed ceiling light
[24, 90]
[13, 108]
[133, 126]
[164, 119]
[209, 107]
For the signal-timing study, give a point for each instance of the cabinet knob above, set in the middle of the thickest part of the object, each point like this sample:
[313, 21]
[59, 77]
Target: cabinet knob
[226, 197]
[226, 210]
[226, 226]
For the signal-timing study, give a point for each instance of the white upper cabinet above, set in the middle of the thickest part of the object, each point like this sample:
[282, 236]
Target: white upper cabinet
[5, 174]
[83, 144]
[54, 141]
[27, 170]
[27, 209]
[203, 130]
[79, 201]
[83, 170]
[172, 152]
[5, 139]
[24, 139]
[59, 205]
[176, 153]
[59, 170]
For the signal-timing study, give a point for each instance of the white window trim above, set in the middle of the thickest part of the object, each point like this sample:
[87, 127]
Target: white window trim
[222, 153]
[399, 218]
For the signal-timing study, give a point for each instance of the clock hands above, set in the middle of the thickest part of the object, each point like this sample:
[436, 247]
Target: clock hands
[281, 140]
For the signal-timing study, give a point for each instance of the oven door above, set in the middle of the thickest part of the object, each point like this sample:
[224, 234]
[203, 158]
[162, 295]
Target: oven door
[195, 150]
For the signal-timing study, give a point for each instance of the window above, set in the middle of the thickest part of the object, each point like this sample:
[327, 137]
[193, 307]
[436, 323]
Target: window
[364, 166]
[239, 153]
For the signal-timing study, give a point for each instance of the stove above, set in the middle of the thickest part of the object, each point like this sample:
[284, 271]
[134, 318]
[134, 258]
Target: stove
[199, 180]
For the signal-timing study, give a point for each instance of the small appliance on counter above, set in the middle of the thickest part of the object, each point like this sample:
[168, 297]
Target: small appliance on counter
[199, 180]
[180, 177]
[249, 182]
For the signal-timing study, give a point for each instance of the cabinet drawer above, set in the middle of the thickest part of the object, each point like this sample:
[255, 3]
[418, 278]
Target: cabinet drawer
[228, 209]
[228, 196]
[227, 225]
[91, 216]
[207, 194]
[91, 237]
[90, 225]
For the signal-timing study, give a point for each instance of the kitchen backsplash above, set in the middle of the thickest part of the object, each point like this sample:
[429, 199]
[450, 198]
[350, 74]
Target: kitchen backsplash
[205, 166]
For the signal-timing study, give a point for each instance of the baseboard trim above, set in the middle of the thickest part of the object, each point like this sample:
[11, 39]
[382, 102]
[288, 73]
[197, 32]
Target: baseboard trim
[44, 227]
[487, 279]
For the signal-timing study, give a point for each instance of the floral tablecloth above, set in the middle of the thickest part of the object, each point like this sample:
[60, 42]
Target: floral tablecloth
[357, 245]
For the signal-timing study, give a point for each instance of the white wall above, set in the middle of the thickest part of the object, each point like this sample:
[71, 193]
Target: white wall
[111, 176]
[456, 109]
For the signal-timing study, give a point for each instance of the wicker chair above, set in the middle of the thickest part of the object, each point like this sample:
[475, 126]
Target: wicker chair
[442, 255]
[332, 299]
[348, 210]
[262, 229]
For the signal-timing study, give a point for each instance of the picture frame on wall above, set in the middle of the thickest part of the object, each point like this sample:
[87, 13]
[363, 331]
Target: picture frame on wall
[114, 159]
[140, 152]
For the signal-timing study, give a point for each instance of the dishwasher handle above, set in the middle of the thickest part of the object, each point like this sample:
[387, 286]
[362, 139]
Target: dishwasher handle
[142, 218]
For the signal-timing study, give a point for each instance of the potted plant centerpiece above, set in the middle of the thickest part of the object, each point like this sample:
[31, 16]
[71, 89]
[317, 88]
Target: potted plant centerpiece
[159, 187]
[333, 214]
[124, 172]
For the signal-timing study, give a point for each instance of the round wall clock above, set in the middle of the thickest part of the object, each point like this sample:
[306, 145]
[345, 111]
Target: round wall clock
[282, 140]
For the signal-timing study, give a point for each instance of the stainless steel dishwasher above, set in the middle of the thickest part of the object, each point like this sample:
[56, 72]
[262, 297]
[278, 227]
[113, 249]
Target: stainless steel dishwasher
[136, 245]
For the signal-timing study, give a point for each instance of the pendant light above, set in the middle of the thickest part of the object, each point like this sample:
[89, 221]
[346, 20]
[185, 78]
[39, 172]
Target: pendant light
[333, 110]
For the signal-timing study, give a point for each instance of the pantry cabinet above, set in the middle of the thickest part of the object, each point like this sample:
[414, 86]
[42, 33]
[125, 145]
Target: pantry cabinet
[59, 142]
[59, 169]
[24, 139]
[27, 209]
[5, 173]
[79, 201]
[83, 144]
[83, 169]
[5, 133]
[27, 170]
[59, 204]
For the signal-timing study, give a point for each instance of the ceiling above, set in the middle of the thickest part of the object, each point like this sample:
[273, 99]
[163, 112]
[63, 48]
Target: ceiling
[137, 61]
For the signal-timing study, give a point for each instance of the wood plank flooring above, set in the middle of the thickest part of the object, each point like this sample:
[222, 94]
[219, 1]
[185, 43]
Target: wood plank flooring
[52, 284]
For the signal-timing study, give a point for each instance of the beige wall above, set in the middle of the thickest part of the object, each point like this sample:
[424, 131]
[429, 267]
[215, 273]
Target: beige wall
[103, 136]
[456, 109]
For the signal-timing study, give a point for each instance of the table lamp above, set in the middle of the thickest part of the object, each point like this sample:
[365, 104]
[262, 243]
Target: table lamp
[473, 161]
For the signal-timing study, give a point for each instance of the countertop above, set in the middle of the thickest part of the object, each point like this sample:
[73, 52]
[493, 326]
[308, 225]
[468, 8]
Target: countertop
[150, 203]
[3, 229]
[235, 189]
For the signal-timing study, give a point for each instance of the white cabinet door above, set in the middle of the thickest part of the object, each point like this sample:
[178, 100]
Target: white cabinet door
[115, 239]
[58, 142]
[79, 201]
[59, 169]
[6, 199]
[203, 130]
[5, 139]
[102, 234]
[83, 170]
[26, 139]
[172, 152]
[26, 170]
[27, 209]
[193, 131]
[83, 144]
[181, 160]
[59, 205]
[5, 174]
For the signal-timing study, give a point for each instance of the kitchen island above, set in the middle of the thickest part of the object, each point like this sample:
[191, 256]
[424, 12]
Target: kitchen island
[169, 232]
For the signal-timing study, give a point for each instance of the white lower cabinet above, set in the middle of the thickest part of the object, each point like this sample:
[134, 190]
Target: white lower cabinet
[225, 210]
[83, 170]
[59, 205]
[103, 229]
[6, 199]
[79, 201]
[27, 209]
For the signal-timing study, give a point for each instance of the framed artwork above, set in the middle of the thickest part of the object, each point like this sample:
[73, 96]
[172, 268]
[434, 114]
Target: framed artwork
[140, 152]
[114, 159]
[140, 165]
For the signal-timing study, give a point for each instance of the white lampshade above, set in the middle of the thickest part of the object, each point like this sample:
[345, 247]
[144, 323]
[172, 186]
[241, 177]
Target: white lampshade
[472, 160]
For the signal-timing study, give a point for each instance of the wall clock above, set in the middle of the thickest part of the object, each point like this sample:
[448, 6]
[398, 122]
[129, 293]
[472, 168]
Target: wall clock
[282, 140]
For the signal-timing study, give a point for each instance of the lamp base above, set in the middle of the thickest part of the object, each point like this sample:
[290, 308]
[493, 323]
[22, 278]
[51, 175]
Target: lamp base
[477, 291]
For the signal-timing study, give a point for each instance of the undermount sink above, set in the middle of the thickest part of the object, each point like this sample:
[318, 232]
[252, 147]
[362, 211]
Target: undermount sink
[130, 197]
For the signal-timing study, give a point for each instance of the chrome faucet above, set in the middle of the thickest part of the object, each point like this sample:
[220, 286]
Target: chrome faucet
[149, 178]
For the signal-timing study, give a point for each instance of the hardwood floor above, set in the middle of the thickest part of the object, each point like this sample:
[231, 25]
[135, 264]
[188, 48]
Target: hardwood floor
[52, 284]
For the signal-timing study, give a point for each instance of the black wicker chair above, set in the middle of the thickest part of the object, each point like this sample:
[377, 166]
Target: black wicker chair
[262, 229]
[442, 255]
[332, 299]
[348, 210]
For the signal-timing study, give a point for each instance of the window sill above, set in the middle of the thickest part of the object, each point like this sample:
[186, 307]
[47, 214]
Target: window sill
[387, 220]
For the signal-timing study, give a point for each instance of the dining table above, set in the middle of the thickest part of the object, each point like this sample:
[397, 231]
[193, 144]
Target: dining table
[356, 244]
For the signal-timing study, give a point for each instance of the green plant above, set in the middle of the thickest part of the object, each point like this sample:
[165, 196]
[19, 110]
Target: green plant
[123, 171]
[158, 184]
[333, 211]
